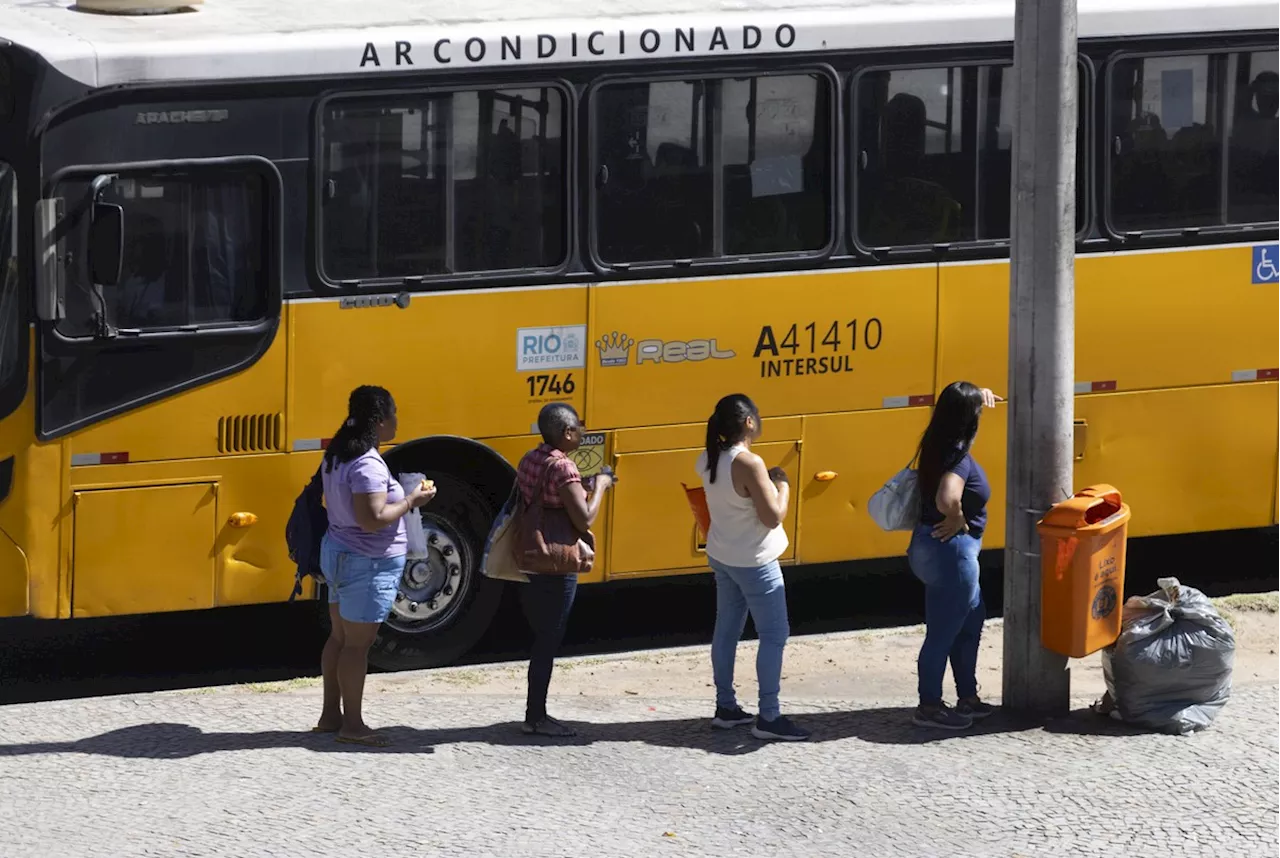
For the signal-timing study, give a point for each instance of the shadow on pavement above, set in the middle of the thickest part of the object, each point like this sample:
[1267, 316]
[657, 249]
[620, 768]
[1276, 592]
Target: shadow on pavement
[891, 726]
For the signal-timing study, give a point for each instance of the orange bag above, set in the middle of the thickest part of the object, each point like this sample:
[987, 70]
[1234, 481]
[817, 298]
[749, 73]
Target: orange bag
[698, 505]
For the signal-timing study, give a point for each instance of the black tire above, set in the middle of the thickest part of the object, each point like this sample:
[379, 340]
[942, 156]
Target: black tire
[462, 518]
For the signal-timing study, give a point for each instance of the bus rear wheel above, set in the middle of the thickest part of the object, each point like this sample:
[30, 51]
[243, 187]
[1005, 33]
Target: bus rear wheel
[443, 605]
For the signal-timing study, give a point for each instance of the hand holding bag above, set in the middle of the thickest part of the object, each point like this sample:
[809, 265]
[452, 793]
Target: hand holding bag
[549, 543]
[896, 506]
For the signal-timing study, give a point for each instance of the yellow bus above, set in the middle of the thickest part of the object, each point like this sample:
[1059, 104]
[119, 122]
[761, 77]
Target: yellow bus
[217, 219]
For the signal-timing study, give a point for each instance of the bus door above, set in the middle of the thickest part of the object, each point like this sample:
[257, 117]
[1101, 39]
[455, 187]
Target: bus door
[158, 301]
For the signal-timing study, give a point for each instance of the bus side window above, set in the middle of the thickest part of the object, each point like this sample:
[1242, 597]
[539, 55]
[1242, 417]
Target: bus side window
[917, 177]
[1253, 157]
[673, 185]
[419, 185]
[1166, 142]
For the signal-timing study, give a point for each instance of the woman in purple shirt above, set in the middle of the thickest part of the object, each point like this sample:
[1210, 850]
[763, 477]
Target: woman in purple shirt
[362, 554]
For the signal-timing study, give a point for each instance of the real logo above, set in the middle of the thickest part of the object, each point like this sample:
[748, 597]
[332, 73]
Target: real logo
[614, 348]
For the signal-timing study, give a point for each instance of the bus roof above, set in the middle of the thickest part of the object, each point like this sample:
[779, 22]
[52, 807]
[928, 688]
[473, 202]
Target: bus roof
[248, 39]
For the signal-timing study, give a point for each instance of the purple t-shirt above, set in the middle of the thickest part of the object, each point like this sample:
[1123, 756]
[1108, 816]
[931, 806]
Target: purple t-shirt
[364, 475]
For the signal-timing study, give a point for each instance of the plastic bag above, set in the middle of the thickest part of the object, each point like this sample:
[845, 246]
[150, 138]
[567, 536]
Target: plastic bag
[1170, 669]
[413, 518]
[896, 506]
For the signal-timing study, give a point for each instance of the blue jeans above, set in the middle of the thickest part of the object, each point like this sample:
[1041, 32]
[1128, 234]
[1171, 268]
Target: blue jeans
[762, 592]
[953, 611]
[363, 587]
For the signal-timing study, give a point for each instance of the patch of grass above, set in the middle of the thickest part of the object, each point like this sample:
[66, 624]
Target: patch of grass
[1267, 603]
[283, 685]
[461, 678]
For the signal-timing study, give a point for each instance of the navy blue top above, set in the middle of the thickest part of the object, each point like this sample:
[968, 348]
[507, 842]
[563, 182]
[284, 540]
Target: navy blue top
[977, 491]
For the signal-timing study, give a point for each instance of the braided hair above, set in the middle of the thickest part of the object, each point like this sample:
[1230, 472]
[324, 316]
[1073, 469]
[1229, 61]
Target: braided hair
[367, 407]
[727, 426]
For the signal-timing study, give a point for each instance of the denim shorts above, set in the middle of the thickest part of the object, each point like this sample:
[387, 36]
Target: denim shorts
[362, 587]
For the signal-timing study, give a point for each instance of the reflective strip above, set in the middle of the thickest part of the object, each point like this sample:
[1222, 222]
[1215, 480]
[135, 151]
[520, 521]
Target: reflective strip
[1254, 374]
[81, 459]
[306, 444]
[1094, 386]
[908, 401]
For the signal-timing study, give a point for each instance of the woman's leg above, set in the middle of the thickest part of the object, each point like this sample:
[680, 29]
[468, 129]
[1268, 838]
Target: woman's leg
[945, 610]
[353, 665]
[964, 651]
[731, 619]
[331, 712]
[766, 596]
[366, 589]
[548, 600]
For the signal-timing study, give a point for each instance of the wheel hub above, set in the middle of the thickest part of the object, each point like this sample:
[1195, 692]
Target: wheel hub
[431, 584]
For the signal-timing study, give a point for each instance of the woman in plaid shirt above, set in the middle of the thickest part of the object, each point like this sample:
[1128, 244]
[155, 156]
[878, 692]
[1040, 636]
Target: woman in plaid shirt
[548, 599]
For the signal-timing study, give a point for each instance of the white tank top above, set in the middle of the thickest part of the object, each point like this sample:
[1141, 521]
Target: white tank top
[737, 537]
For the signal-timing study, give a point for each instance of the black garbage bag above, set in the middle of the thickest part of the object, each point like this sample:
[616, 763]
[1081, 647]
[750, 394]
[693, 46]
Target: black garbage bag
[1170, 669]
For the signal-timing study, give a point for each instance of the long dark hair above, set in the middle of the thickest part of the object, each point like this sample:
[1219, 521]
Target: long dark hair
[950, 434]
[727, 426]
[366, 408]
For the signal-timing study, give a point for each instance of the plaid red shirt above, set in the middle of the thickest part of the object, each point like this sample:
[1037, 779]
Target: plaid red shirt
[535, 463]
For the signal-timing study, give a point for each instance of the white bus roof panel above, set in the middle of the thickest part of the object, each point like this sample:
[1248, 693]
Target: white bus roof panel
[247, 39]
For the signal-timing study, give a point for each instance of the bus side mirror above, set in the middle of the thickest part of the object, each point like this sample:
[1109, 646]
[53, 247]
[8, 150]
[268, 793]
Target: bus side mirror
[106, 243]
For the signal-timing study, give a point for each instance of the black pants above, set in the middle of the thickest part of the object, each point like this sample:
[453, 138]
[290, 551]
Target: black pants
[547, 601]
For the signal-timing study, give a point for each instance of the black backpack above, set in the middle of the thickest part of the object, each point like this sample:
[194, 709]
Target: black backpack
[306, 527]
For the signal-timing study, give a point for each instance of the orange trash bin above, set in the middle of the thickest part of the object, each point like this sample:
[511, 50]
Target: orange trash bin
[1082, 550]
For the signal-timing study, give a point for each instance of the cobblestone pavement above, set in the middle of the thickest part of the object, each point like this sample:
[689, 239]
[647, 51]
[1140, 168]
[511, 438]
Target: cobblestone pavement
[234, 772]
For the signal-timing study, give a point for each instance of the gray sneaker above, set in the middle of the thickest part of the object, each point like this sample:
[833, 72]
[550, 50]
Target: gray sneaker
[941, 717]
[974, 708]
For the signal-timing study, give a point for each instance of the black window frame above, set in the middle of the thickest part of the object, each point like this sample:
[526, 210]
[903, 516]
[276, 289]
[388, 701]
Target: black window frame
[448, 281]
[14, 389]
[235, 346]
[1107, 153]
[273, 250]
[981, 247]
[762, 261]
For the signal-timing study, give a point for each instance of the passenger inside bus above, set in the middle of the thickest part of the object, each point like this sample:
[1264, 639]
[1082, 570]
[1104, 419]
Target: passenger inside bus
[1254, 156]
[142, 300]
[908, 208]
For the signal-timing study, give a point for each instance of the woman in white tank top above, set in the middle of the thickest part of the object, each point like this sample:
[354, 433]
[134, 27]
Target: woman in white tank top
[748, 504]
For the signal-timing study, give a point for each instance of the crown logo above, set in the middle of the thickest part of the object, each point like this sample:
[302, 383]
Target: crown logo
[614, 348]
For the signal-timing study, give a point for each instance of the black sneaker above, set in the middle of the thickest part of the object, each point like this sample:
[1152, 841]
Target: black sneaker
[549, 726]
[779, 729]
[941, 717]
[974, 708]
[727, 719]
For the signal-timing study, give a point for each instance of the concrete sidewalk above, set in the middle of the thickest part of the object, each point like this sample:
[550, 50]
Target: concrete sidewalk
[234, 771]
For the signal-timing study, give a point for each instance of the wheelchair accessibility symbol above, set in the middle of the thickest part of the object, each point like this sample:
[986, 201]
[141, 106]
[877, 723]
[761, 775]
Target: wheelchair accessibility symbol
[1266, 263]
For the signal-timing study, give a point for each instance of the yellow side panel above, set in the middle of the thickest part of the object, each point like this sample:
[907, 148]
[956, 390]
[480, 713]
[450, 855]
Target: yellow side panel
[141, 550]
[865, 450]
[450, 360]
[1154, 320]
[14, 572]
[1186, 460]
[653, 526]
[185, 426]
[796, 343]
[1143, 320]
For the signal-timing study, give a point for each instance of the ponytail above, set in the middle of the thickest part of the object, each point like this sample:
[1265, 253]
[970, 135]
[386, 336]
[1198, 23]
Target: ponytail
[367, 407]
[727, 426]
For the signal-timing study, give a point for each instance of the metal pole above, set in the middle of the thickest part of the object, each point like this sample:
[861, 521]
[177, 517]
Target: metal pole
[1041, 335]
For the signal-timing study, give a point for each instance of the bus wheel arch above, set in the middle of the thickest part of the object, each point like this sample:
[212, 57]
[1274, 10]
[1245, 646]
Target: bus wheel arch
[444, 605]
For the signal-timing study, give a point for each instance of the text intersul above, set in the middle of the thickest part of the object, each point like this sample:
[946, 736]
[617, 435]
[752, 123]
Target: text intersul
[587, 45]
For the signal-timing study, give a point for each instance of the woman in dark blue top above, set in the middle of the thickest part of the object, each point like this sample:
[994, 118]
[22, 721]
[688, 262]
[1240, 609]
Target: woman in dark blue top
[944, 555]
